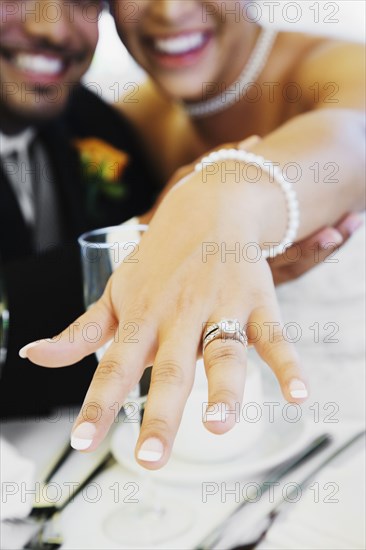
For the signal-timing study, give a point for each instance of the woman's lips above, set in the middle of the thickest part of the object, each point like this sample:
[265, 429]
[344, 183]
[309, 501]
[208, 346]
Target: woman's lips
[179, 50]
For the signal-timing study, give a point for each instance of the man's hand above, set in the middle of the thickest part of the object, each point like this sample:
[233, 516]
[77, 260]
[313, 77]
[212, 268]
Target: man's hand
[308, 253]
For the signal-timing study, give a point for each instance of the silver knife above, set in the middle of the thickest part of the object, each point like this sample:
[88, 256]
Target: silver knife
[276, 475]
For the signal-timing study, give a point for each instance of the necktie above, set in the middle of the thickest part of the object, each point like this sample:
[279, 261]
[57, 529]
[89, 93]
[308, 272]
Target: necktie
[32, 178]
[48, 226]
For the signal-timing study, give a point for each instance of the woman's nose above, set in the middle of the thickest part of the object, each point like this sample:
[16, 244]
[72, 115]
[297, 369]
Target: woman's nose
[174, 11]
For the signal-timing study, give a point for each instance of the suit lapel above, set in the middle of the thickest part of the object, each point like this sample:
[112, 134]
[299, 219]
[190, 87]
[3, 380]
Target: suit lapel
[15, 238]
[66, 170]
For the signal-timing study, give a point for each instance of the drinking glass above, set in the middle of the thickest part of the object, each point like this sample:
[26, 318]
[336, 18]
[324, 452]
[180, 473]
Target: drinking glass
[148, 521]
[102, 251]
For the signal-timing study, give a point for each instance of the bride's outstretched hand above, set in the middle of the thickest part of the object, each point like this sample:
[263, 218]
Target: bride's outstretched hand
[199, 263]
[189, 272]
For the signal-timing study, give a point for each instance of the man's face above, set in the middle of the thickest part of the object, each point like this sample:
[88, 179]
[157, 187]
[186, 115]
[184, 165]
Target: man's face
[45, 48]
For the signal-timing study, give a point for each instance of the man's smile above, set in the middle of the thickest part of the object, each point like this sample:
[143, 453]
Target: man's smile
[41, 65]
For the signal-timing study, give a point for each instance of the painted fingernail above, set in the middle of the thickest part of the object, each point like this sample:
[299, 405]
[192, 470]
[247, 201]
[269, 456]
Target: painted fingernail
[151, 450]
[330, 237]
[215, 413]
[352, 223]
[298, 389]
[23, 352]
[82, 437]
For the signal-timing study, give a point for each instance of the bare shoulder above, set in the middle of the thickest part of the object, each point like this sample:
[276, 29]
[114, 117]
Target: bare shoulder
[331, 72]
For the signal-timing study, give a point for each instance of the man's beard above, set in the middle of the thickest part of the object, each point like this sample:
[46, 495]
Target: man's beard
[14, 118]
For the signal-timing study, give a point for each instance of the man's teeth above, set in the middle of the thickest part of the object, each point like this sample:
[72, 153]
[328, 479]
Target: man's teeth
[181, 44]
[39, 64]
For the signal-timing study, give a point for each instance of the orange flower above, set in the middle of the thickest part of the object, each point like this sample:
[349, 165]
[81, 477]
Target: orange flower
[101, 159]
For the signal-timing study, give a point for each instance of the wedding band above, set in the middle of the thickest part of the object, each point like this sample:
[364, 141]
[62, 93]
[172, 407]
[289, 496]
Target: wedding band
[226, 329]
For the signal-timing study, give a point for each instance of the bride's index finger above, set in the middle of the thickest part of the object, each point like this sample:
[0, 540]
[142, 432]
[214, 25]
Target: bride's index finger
[119, 370]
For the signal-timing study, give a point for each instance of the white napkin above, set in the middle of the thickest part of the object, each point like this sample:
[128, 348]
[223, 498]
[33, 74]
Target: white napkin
[17, 476]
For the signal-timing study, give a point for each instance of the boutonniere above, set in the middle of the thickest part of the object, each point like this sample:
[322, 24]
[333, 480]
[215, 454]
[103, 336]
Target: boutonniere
[102, 167]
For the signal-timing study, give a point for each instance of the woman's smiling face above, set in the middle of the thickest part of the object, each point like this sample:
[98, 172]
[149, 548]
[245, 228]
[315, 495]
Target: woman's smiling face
[186, 44]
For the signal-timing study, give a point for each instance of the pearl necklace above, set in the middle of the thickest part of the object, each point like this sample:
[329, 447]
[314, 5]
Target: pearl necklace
[252, 70]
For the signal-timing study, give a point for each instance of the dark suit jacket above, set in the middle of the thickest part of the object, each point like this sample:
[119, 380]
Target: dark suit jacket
[44, 290]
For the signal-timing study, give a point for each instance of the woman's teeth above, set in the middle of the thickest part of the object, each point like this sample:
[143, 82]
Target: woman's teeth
[37, 63]
[180, 45]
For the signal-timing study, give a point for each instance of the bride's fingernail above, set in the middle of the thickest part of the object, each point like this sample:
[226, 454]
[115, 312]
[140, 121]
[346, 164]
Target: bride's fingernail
[329, 237]
[23, 352]
[151, 450]
[215, 413]
[352, 223]
[298, 389]
[82, 436]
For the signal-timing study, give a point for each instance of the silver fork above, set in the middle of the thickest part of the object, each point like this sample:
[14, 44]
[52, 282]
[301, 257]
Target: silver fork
[42, 519]
[47, 535]
[44, 511]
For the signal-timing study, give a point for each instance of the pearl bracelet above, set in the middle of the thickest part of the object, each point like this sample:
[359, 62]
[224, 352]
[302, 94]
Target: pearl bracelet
[273, 171]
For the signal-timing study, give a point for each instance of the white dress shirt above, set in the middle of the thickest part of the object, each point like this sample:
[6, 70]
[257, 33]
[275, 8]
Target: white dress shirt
[14, 152]
[26, 165]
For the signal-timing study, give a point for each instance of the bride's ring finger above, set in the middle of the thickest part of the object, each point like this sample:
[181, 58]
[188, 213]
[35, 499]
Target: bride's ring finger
[224, 344]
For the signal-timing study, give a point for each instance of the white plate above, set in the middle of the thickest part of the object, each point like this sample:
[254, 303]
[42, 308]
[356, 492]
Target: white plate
[280, 441]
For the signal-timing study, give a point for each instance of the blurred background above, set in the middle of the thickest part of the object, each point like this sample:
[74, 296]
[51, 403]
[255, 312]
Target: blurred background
[113, 72]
